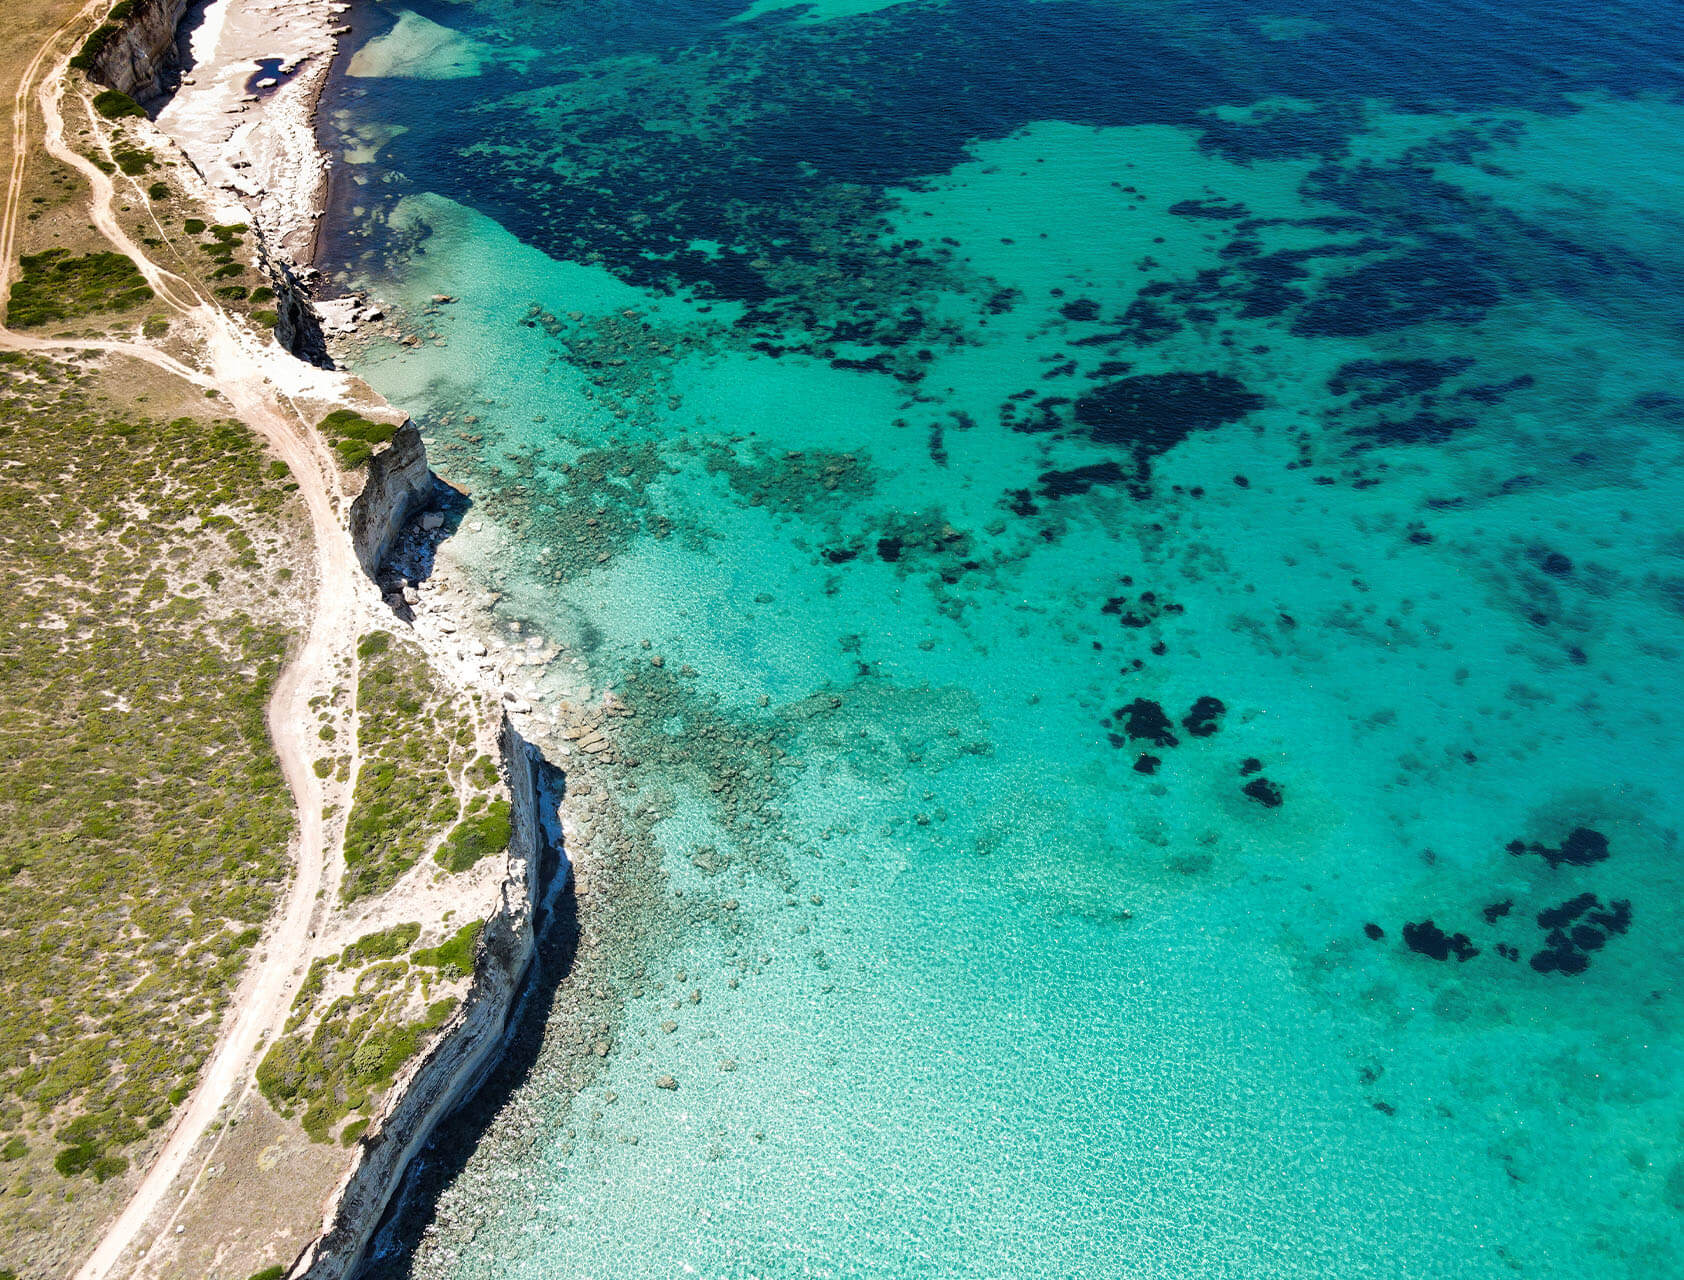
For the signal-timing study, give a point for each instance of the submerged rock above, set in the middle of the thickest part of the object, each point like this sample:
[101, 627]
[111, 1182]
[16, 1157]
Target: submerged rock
[1144, 718]
[1582, 847]
[1200, 721]
[1427, 939]
[1497, 910]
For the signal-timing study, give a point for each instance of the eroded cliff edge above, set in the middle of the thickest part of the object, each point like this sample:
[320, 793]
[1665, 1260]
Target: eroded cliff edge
[134, 50]
[467, 1048]
[396, 483]
[280, 184]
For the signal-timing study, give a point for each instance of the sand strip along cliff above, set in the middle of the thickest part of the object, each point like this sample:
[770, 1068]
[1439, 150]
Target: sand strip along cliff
[257, 146]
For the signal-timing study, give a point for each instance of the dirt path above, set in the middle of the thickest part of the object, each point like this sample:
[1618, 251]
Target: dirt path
[235, 366]
[20, 140]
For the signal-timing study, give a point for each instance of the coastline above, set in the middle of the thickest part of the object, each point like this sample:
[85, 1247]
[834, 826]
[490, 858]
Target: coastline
[886, 706]
[257, 158]
[466, 1050]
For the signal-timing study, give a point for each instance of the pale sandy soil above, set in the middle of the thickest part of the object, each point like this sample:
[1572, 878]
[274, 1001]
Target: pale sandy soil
[260, 382]
[261, 156]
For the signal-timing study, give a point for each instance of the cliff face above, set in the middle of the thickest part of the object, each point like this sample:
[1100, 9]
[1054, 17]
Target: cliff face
[429, 1090]
[397, 483]
[140, 53]
[299, 327]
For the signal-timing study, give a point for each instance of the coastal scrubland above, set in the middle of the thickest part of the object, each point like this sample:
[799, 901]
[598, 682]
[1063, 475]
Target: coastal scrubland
[414, 744]
[57, 285]
[148, 585]
[72, 284]
[357, 1019]
[156, 567]
[421, 786]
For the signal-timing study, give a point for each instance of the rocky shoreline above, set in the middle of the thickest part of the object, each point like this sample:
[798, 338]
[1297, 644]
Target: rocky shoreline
[251, 75]
[431, 1088]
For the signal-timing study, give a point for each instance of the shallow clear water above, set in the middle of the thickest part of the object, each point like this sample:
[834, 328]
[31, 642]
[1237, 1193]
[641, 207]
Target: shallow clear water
[944, 390]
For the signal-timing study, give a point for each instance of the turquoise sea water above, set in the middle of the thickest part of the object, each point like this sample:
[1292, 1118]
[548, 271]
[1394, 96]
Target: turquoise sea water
[1161, 528]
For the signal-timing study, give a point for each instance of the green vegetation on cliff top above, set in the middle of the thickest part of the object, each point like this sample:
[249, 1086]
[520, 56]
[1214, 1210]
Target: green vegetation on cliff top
[56, 286]
[353, 436]
[144, 822]
[341, 1066]
[404, 799]
[114, 104]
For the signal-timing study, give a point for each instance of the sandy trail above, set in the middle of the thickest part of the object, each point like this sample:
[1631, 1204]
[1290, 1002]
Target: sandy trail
[20, 142]
[237, 366]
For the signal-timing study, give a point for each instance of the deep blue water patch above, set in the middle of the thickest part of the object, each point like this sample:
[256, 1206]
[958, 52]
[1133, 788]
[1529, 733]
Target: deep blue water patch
[268, 69]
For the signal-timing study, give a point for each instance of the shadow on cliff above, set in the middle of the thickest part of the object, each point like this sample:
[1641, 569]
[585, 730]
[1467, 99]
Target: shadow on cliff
[557, 942]
[180, 60]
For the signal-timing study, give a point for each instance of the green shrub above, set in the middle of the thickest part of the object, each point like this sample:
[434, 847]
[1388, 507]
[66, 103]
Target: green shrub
[281, 1072]
[310, 988]
[263, 293]
[354, 436]
[380, 946]
[457, 950]
[159, 191]
[233, 292]
[353, 1131]
[438, 1013]
[347, 422]
[483, 771]
[15, 1149]
[74, 1161]
[269, 319]
[55, 286]
[319, 1117]
[115, 105]
[353, 453]
[193, 226]
[475, 837]
[228, 271]
[132, 162]
[269, 1273]
[94, 45]
[109, 1167]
